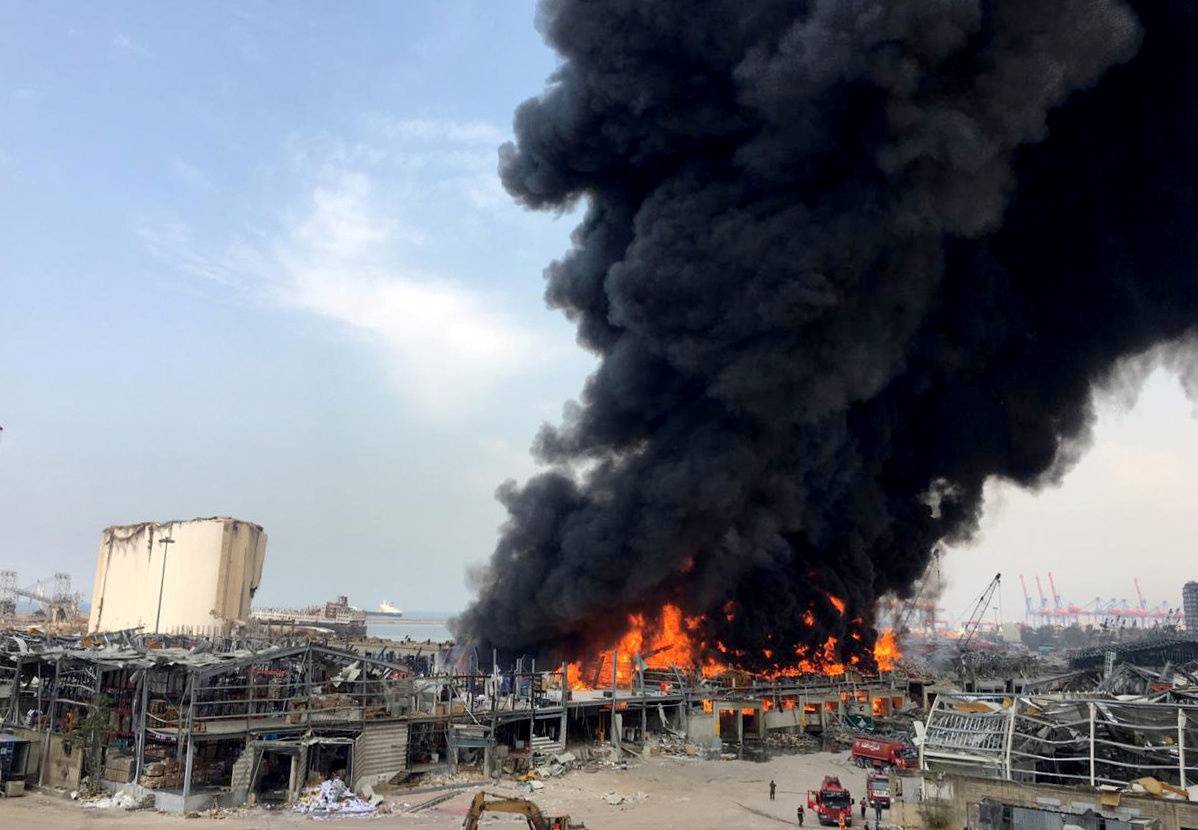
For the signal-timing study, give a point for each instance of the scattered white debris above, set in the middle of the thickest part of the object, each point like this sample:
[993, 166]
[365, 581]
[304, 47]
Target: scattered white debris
[120, 800]
[618, 799]
[332, 797]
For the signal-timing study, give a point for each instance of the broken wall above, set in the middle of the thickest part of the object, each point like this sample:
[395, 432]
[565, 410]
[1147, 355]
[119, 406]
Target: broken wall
[961, 795]
[205, 576]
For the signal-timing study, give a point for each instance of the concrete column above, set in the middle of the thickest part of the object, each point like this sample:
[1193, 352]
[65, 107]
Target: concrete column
[561, 732]
[615, 729]
[1181, 745]
[14, 709]
[532, 712]
[187, 770]
[1092, 764]
[489, 754]
[293, 783]
[1011, 738]
[139, 719]
[41, 780]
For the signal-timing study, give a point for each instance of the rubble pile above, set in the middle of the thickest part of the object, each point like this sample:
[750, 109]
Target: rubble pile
[332, 797]
[164, 774]
[793, 742]
[621, 800]
[677, 747]
[120, 800]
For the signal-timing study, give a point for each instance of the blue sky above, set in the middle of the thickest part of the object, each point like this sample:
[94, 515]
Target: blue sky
[255, 261]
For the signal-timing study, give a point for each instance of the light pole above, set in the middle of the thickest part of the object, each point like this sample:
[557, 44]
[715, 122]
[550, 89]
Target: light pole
[162, 581]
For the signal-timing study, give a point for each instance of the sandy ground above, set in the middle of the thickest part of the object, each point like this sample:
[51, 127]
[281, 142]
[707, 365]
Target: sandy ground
[683, 793]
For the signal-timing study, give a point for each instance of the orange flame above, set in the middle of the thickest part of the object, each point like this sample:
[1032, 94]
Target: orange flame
[886, 650]
[661, 646]
[667, 641]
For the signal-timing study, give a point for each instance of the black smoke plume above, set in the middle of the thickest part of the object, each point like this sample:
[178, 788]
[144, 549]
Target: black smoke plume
[842, 261]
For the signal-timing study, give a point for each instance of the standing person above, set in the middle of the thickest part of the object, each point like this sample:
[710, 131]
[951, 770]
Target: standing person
[799, 815]
[773, 787]
[862, 808]
[877, 814]
[840, 823]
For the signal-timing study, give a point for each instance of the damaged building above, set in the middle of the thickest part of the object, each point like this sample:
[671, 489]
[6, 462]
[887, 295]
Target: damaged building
[1123, 754]
[195, 576]
[190, 723]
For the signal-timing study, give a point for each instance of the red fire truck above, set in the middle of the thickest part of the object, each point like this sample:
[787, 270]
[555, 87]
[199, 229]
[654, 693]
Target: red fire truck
[882, 752]
[831, 802]
[877, 790]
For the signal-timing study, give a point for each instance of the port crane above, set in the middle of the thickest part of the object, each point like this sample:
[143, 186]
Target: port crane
[975, 618]
[1027, 601]
[60, 605]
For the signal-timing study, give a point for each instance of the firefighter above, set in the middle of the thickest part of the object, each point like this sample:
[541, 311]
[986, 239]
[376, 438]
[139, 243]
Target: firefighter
[773, 788]
[840, 822]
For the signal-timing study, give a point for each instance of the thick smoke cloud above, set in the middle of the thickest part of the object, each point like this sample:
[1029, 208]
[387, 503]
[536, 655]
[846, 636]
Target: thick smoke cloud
[842, 260]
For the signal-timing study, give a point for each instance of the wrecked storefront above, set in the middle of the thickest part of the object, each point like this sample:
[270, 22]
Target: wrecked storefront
[192, 723]
[193, 726]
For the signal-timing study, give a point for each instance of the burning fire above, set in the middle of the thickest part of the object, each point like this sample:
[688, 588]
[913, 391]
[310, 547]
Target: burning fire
[886, 650]
[670, 640]
[666, 644]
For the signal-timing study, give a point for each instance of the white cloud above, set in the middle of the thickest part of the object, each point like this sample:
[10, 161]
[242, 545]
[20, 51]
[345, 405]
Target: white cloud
[192, 176]
[447, 347]
[125, 43]
[439, 130]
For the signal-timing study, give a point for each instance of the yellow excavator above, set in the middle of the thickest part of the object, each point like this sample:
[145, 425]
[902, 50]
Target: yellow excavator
[531, 812]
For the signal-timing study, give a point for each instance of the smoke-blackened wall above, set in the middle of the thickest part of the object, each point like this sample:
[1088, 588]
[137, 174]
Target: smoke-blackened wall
[842, 261]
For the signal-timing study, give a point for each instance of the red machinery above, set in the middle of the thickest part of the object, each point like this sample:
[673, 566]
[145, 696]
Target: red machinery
[881, 753]
[877, 790]
[831, 802]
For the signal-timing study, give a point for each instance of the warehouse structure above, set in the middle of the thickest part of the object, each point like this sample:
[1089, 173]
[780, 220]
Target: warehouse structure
[1090, 759]
[194, 722]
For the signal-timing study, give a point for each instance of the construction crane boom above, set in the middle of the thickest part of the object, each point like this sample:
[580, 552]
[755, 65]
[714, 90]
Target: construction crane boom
[903, 620]
[502, 804]
[1027, 598]
[979, 609]
[1056, 598]
[1040, 591]
[1140, 594]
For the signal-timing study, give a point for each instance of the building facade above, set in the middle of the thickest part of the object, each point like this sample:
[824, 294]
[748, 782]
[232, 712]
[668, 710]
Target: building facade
[1189, 604]
[195, 576]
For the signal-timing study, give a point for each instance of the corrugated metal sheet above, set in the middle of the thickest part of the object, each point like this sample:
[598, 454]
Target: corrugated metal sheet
[1028, 819]
[380, 752]
[990, 816]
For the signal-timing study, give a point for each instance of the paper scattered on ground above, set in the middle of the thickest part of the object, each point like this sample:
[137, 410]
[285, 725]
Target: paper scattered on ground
[332, 797]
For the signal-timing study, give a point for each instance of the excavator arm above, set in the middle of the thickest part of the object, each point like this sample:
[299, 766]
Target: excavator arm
[520, 806]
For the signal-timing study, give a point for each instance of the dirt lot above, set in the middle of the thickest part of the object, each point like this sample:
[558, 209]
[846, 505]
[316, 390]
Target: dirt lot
[682, 793]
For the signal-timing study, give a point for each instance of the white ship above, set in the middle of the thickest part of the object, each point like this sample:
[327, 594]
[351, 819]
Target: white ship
[387, 609]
